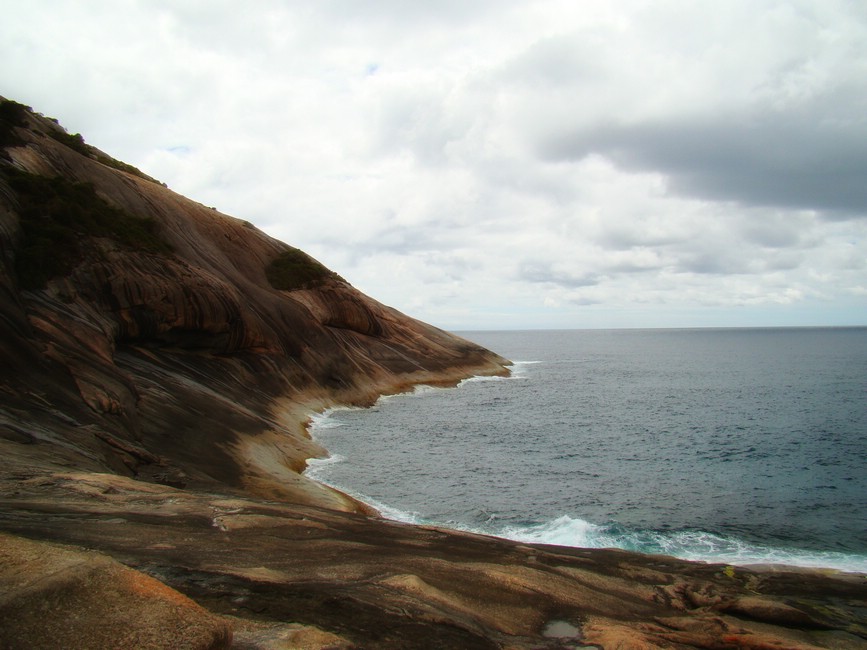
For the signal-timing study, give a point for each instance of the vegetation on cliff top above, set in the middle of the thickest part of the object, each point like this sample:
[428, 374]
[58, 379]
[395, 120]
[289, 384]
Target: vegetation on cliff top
[56, 215]
[295, 269]
[76, 142]
[13, 114]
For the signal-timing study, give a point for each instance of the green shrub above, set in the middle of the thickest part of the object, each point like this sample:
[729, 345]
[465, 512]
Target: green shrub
[72, 140]
[108, 161]
[58, 217]
[295, 269]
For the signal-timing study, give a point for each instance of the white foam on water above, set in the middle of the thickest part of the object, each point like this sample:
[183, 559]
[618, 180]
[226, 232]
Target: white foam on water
[421, 389]
[316, 464]
[481, 378]
[563, 531]
[323, 421]
[413, 391]
[517, 370]
[698, 546]
[384, 510]
[687, 545]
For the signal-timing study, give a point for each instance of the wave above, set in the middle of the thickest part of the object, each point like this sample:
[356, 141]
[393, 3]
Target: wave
[324, 420]
[695, 545]
[315, 465]
[518, 370]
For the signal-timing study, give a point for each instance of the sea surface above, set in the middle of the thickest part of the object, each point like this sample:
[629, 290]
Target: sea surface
[741, 446]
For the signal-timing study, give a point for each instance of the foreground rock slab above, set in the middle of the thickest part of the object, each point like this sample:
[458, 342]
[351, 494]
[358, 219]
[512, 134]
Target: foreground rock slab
[55, 596]
[293, 576]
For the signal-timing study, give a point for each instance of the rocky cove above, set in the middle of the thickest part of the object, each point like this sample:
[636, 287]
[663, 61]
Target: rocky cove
[159, 361]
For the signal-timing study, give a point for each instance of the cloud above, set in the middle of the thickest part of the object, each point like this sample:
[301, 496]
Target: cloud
[544, 272]
[764, 108]
[497, 164]
[799, 161]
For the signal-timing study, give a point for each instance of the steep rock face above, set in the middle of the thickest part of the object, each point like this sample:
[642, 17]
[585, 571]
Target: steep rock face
[151, 319]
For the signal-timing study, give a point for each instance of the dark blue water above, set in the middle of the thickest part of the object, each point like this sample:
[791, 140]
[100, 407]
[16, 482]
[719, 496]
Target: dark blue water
[729, 445]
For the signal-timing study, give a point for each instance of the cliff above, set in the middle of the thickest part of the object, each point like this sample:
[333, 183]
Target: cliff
[158, 361]
[147, 335]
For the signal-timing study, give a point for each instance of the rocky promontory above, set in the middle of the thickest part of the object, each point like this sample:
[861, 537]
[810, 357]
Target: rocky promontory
[158, 363]
[148, 335]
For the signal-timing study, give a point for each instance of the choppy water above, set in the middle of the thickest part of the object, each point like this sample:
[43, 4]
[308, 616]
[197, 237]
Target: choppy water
[730, 445]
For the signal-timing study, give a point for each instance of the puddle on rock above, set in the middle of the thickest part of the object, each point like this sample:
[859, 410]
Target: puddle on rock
[561, 630]
[565, 630]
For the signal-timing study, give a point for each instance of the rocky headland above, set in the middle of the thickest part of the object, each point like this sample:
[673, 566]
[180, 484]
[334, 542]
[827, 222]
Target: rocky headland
[158, 364]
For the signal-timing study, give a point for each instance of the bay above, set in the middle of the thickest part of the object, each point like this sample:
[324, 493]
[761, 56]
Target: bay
[730, 445]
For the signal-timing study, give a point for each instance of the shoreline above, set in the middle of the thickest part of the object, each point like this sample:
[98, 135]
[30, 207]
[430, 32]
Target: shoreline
[298, 411]
[756, 562]
[256, 572]
[266, 571]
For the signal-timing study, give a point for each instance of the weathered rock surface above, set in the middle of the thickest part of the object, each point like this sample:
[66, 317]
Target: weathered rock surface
[158, 361]
[61, 597]
[300, 574]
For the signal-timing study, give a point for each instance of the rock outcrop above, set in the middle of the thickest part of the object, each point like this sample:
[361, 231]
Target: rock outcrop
[142, 332]
[158, 362]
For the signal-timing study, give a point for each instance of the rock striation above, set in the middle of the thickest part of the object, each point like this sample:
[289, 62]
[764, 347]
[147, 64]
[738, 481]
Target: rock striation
[158, 363]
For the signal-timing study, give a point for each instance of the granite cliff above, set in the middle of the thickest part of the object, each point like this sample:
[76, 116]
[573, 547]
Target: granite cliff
[148, 335]
[158, 362]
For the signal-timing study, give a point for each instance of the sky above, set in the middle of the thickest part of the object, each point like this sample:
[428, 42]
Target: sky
[496, 164]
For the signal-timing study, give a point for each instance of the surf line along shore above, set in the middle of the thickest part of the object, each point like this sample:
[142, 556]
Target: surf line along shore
[471, 459]
[705, 594]
[263, 570]
[266, 570]
[321, 419]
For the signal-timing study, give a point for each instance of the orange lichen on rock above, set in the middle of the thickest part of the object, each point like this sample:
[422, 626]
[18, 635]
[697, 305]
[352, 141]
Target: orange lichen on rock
[60, 597]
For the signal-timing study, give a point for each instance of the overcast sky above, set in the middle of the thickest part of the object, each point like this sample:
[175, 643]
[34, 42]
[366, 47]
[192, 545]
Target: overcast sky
[497, 164]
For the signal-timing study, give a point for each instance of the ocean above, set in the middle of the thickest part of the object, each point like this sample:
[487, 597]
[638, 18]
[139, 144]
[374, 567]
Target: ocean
[741, 446]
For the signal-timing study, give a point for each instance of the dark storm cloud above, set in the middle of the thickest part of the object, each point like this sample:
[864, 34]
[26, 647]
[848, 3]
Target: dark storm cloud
[797, 160]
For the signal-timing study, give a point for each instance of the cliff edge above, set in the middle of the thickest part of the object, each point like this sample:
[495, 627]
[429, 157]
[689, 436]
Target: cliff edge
[147, 335]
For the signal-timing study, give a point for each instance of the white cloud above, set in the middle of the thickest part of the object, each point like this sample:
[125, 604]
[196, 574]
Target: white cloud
[497, 164]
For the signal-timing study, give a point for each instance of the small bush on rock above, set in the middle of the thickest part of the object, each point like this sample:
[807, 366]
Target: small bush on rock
[295, 269]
